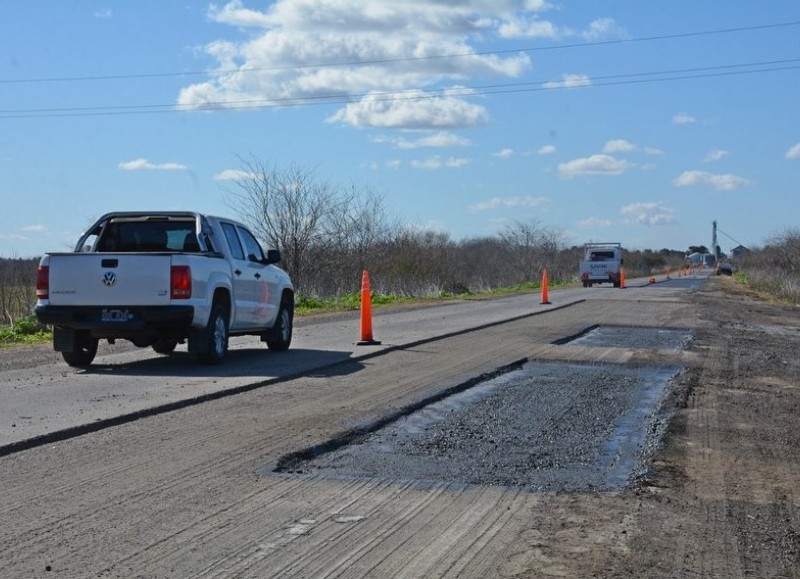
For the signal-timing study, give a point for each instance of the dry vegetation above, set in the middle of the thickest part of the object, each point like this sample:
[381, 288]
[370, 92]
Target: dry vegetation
[774, 268]
[329, 235]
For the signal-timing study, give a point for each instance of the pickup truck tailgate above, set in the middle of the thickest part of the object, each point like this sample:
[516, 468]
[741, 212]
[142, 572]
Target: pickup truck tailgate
[107, 279]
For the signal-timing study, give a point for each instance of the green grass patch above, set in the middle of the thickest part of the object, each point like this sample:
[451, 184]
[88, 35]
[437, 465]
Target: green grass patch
[346, 302]
[352, 301]
[25, 331]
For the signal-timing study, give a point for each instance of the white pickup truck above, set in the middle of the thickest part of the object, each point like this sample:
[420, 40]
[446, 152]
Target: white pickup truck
[601, 263]
[163, 278]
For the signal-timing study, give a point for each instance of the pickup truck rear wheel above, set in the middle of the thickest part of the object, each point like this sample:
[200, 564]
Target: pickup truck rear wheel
[84, 352]
[165, 345]
[216, 335]
[280, 337]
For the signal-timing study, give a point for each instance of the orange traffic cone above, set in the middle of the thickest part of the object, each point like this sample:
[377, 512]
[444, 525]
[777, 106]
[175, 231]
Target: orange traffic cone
[622, 278]
[545, 297]
[366, 313]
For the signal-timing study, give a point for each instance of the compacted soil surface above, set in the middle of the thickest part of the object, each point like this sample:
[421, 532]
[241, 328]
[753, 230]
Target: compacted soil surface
[194, 492]
[723, 495]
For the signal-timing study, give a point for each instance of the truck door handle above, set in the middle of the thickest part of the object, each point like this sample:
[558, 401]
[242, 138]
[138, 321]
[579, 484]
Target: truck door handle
[237, 271]
[258, 275]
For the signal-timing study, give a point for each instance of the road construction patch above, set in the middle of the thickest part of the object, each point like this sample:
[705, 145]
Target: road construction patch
[546, 426]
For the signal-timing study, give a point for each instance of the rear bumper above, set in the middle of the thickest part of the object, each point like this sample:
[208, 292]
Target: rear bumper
[119, 321]
[612, 278]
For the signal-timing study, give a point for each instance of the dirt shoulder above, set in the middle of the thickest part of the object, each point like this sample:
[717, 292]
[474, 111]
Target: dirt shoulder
[723, 499]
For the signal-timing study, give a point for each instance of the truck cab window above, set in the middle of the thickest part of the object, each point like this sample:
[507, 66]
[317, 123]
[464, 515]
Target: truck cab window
[253, 249]
[233, 240]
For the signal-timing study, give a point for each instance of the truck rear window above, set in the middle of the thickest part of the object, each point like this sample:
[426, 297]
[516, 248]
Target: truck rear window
[134, 236]
[602, 256]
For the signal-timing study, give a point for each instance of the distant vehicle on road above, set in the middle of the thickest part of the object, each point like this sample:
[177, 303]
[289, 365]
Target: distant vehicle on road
[159, 279]
[601, 263]
[724, 268]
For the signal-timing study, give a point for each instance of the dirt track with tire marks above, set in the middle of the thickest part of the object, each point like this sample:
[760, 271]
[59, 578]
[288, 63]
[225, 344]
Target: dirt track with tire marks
[189, 493]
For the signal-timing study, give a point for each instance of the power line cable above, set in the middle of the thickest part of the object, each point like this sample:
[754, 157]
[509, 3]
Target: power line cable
[414, 94]
[729, 237]
[405, 59]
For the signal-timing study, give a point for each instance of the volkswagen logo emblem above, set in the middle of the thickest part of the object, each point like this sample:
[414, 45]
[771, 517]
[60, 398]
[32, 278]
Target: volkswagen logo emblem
[109, 279]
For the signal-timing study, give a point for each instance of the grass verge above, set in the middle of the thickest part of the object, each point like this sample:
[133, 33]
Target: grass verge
[25, 331]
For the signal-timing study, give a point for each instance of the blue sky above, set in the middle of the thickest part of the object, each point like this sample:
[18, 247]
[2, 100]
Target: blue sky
[621, 120]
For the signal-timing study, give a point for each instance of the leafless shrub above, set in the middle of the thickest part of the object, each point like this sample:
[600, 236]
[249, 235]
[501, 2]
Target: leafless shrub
[17, 289]
[775, 267]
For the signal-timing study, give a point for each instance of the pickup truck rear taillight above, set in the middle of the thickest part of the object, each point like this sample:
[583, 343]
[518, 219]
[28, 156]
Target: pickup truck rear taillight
[180, 282]
[43, 282]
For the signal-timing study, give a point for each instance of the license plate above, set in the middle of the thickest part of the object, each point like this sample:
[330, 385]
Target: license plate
[116, 315]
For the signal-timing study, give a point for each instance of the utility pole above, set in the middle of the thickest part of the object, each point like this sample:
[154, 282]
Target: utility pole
[714, 246]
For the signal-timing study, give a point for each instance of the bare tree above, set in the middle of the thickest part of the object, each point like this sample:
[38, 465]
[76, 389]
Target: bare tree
[326, 234]
[532, 248]
[290, 210]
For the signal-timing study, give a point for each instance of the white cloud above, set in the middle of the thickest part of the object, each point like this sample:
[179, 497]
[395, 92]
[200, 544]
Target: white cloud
[432, 163]
[236, 14]
[547, 150]
[145, 165]
[38, 228]
[715, 155]
[603, 28]
[233, 175]
[720, 182]
[440, 139]
[504, 153]
[648, 213]
[595, 222]
[570, 81]
[618, 146]
[301, 51]
[414, 111]
[653, 151]
[531, 27]
[683, 119]
[793, 152]
[498, 202]
[594, 165]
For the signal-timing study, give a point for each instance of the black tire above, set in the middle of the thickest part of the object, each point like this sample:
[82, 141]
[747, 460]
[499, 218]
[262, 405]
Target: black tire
[279, 338]
[84, 353]
[216, 336]
[165, 345]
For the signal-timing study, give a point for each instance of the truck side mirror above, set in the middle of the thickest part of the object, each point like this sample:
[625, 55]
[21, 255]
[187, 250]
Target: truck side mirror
[273, 256]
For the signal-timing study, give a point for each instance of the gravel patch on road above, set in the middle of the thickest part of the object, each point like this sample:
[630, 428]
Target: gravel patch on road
[546, 427]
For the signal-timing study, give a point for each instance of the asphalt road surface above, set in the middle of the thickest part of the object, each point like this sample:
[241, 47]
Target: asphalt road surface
[152, 466]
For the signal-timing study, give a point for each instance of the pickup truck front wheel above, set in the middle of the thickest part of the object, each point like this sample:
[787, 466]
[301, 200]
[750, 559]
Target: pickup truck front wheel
[84, 352]
[216, 336]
